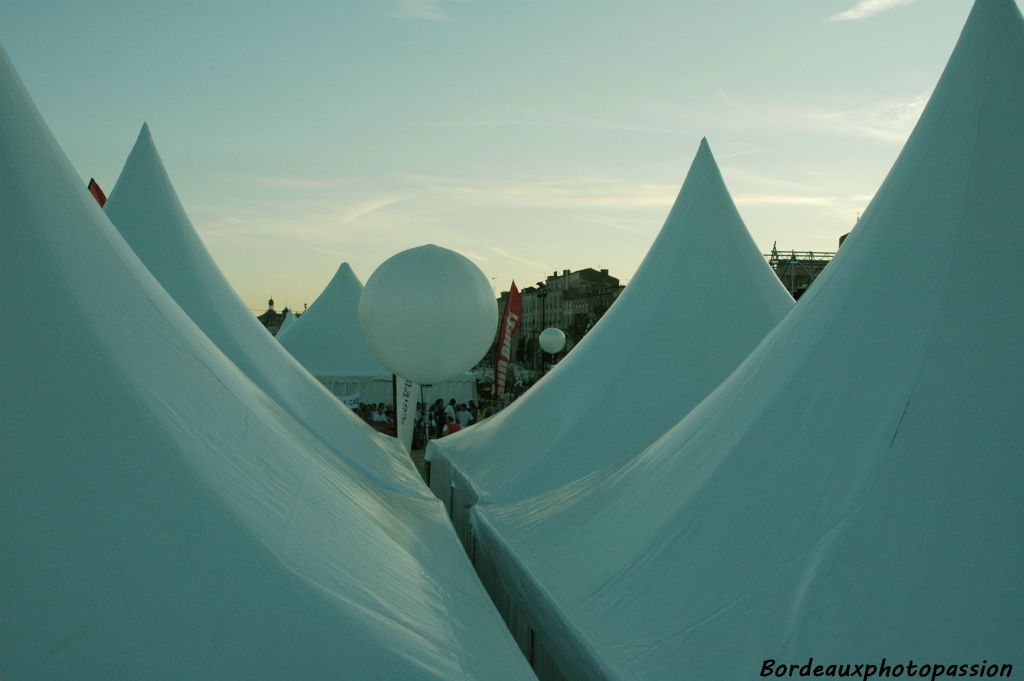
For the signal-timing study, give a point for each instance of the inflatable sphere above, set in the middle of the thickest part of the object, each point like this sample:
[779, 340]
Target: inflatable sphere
[552, 340]
[428, 314]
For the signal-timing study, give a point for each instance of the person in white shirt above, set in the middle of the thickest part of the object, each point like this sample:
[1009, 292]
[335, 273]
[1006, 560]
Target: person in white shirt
[463, 416]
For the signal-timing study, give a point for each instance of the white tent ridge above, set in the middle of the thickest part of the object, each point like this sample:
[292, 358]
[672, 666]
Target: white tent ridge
[330, 342]
[699, 303]
[163, 517]
[852, 491]
[145, 208]
[289, 319]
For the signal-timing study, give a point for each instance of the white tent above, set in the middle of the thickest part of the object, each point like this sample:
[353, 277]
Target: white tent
[329, 343]
[145, 209]
[289, 319]
[851, 493]
[699, 303]
[162, 517]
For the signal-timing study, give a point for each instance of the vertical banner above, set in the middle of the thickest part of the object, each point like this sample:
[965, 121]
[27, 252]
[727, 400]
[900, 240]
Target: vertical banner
[509, 323]
[405, 410]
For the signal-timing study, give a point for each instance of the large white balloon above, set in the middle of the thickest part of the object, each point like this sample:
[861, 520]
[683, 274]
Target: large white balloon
[552, 340]
[428, 314]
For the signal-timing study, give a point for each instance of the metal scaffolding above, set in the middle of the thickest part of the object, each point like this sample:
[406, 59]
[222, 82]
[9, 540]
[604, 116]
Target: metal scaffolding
[797, 270]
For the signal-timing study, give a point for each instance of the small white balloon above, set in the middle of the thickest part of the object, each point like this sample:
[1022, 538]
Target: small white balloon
[428, 314]
[552, 340]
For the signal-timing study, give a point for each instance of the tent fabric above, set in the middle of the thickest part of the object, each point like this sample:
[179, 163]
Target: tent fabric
[329, 344]
[851, 493]
[699, 303]
[163, 517]
[289, 319]
[147, 212]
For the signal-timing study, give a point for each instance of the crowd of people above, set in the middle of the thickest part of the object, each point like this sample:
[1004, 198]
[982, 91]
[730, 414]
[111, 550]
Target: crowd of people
[380, 416]
[440, 419]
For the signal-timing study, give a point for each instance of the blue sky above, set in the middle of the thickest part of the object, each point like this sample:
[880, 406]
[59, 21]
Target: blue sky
[530, 136]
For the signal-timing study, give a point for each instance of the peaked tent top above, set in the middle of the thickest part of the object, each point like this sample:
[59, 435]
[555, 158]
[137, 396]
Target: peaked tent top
[856, 481]
[700, 301]
[163, 517]
[146, 210]
[329, 341]
[289, 319]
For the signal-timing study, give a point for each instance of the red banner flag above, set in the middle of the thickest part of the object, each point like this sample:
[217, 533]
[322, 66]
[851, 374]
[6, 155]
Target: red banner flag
[97, 193]
[509, 323]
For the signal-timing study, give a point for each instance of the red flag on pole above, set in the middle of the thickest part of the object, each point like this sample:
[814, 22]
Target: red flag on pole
[97, 193]
[509, 323]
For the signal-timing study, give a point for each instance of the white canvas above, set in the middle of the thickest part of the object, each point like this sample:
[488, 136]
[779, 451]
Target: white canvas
[145, 208]
[329, 341]
[163, 517]
[700, 301]
[852, 492]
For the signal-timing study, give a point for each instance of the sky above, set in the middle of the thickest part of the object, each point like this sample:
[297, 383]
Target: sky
[528, 135]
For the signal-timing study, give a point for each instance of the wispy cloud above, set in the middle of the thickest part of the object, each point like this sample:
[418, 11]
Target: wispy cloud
[867, 8]
[353, 213]
[888, 120]
[520, 259]
[424, 10]
[475, 256]
[286, 182]
[741, 153]
[552, 120]
[621, 223]
[783, 200]
[802, 200]
[568, 193]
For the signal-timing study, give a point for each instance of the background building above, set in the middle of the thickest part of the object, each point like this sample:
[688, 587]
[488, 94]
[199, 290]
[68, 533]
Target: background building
[272, 319]
[570, 301]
